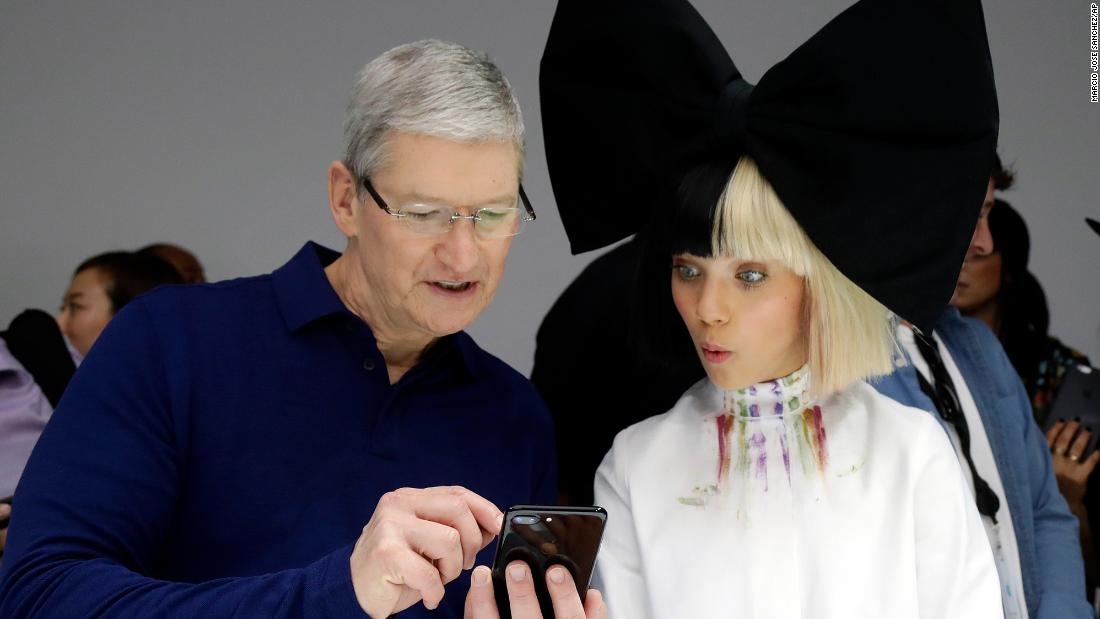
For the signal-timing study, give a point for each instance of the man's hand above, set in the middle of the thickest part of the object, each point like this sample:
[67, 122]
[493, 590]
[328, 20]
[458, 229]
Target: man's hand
[480, 603]
[1071, 471]
[418, 540]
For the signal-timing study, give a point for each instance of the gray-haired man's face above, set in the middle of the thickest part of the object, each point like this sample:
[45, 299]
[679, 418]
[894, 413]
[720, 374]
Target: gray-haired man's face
[437, 284]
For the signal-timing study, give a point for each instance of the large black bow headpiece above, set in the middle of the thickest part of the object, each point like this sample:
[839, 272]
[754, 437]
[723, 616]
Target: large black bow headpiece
[878, 134]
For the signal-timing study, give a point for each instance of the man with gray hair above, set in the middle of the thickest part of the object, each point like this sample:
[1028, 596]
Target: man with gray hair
[222, 447]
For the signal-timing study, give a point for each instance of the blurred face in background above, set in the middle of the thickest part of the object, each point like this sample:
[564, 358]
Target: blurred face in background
[980, 278]
[85, 309]
[979, 283]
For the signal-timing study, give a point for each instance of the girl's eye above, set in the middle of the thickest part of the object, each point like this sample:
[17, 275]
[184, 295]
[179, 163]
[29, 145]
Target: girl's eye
[752, 277]
[686, 271]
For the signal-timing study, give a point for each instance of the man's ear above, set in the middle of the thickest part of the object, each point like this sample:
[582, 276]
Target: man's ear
[343, 198]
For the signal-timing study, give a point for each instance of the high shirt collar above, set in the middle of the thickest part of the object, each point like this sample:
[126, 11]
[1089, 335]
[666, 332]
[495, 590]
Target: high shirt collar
[771, 398]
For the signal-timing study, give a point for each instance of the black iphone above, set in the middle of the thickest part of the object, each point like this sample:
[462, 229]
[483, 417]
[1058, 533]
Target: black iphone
[543, 536]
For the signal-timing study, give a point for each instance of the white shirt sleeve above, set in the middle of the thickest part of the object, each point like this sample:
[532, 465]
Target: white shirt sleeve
[619, 571]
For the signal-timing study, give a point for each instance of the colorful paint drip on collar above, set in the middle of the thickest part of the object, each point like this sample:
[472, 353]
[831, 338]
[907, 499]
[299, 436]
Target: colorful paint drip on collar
[784, 399]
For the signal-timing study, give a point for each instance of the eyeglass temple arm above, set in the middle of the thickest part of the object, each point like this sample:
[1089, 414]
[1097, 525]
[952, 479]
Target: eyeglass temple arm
[526, 202]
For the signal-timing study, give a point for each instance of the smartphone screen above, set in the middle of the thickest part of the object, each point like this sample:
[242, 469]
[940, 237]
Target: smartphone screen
[544, 536]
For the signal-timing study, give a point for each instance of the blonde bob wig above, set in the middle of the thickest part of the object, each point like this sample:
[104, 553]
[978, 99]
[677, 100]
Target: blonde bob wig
[851, 335]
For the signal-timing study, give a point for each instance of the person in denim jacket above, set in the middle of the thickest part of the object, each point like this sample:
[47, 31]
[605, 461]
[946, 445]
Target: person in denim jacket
[1033, 533]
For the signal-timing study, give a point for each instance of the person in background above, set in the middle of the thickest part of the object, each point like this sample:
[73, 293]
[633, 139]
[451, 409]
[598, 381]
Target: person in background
[101, 286]
[38, 354]
[959, 372]
[185, 262]
[997, 288]
[5, 516]
[35, 367]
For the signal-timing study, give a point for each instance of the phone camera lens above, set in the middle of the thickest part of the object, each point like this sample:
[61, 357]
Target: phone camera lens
[525, 520]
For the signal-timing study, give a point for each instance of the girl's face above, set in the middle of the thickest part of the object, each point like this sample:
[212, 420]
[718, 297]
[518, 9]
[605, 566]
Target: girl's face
[746, 318]
[85, 310]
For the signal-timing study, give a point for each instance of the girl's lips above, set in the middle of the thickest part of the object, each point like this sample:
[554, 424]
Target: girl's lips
[715, 354]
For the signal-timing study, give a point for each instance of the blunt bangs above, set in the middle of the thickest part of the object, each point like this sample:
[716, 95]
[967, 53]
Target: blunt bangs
[687, 226]
[850, 334]
[753, 225]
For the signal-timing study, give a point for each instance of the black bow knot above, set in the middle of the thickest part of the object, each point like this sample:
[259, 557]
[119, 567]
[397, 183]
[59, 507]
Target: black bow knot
[731, 127]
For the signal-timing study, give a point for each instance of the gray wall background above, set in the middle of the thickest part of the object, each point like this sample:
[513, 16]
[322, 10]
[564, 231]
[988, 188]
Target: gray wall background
[211, 125]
